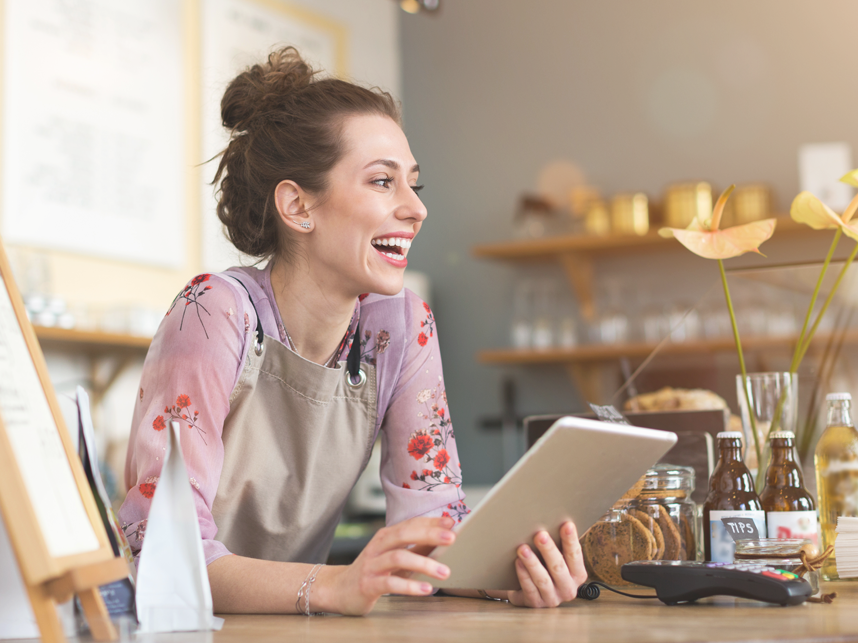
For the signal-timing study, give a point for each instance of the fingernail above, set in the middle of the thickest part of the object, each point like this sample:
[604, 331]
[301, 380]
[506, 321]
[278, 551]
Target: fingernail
[425, 588]
[569, 529]
[443, 571]
[447, 522]
[448, 536]
[543, 538]
[525, 552]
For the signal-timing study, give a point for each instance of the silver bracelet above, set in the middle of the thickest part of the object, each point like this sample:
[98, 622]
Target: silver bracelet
[304, 592]
[484, 594]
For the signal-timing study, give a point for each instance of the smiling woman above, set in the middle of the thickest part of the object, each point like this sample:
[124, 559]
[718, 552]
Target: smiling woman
[282, 377]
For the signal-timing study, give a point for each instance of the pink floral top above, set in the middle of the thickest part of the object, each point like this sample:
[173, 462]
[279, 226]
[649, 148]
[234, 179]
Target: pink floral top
[198, 354]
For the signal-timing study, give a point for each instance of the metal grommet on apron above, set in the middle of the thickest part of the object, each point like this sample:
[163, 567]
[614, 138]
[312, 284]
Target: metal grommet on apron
[295, 440]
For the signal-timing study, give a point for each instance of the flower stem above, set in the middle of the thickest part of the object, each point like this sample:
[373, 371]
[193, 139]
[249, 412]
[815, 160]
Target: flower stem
[741, 363]
[798, 354]
[827, 303]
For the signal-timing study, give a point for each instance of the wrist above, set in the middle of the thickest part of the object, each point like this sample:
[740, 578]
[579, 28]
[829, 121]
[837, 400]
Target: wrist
[325, 597]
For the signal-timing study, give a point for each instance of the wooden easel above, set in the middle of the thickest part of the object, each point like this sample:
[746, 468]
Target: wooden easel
[50, 578]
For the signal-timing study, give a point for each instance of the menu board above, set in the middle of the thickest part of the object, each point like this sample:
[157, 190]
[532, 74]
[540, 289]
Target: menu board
[36, 444]
[235, 35]
[94, 148]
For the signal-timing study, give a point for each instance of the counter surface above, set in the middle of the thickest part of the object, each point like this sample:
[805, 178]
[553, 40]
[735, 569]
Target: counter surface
[610, 618]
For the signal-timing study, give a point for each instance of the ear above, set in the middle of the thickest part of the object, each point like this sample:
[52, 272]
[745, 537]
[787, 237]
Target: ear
[291, 202]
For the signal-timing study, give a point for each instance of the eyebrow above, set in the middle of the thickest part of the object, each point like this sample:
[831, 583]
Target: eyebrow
[393, 165]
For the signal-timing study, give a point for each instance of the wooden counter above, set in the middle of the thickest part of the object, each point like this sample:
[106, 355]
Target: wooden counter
[610, 618]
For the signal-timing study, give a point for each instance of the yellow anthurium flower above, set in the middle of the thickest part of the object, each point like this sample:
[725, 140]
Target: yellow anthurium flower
[809, 210]
[851, 178]
[706, 240]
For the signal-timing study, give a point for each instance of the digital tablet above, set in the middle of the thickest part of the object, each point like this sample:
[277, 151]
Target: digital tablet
[576, 471]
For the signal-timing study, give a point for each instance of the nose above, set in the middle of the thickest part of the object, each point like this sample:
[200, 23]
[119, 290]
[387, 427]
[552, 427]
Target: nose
[410, 206]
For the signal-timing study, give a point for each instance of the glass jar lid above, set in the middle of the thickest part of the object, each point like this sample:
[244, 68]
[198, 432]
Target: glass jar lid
[773, 548]
[669, 477]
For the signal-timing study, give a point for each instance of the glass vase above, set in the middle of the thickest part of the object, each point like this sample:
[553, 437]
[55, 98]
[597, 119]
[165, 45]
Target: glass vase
[774, 403]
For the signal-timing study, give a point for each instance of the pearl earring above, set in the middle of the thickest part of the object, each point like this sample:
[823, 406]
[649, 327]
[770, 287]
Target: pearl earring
[305, 225]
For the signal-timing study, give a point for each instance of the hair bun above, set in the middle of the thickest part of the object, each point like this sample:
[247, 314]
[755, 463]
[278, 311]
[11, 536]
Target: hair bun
[263, 88]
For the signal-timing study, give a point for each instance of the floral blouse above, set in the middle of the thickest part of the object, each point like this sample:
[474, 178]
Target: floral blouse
[194, 364]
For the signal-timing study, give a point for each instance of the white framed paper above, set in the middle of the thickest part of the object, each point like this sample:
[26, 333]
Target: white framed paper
[94, 147]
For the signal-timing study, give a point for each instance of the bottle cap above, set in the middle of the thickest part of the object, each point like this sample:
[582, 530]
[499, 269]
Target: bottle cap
[838, 396]
[783, 435]
[730, 435]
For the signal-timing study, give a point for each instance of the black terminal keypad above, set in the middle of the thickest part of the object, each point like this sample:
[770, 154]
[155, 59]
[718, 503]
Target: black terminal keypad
[686, 581]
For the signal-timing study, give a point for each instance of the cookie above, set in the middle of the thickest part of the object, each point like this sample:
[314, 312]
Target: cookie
[669, 530]
[688, 542]
[607, 546]
[635, 490]
[652, 525]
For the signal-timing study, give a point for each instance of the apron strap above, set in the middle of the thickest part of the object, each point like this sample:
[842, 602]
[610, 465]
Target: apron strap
[353, 360]
[257, 344]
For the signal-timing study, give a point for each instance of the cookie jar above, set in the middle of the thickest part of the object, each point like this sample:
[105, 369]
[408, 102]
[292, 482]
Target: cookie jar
[616, 539]
[665, 507]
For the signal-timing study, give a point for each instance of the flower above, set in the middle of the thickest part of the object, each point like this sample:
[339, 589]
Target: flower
[445, 514]
[809, 210]
[426, 306]
[159, 424]
[441, 459]
[419, 445]
[424, 395]
[422, 339]
[414, 475]
[147, 489]
[704, 238]
[446, 478]
[183, 401]
[382, 340]
[405, 485]
[196, 281]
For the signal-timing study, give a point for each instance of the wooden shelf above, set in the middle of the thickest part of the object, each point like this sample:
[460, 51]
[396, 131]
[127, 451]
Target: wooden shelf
[576, 253]
[90, 341]
[594, 353]
[549, 248]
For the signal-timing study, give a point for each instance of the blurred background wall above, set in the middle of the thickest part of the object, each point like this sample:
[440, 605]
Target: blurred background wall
[638, 95]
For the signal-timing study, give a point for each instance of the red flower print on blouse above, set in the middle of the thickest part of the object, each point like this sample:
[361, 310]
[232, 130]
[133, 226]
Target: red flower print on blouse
[419, 445]
[159, 424]
[182, 412]
[363, 296]
[147, 488]
[428, 326]
[441, 459]
[405, 485]
[429, 445]
[191, 295]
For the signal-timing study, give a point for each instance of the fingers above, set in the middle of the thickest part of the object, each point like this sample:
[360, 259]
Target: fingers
[402, 560]
[426, 532]
[572, 554]
[564, 587]
[537, 577]
[380, 585]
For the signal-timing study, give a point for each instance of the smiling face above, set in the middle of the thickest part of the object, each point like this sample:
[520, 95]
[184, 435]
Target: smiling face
[365, 222]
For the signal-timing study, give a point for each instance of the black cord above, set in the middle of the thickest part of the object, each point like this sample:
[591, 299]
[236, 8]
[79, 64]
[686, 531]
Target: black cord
[590, 591]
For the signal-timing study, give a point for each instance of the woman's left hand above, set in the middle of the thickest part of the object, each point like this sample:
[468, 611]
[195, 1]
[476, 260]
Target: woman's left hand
[556, 581]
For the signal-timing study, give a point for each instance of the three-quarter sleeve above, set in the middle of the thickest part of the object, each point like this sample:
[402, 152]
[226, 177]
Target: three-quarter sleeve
[189, 373]
[420, 470]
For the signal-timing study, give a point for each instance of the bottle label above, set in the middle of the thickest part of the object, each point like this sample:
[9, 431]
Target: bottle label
[722, 546]
[792, 524]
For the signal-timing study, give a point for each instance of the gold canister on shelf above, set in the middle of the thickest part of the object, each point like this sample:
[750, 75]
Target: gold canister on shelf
[685, 201]
[752, 202]
[598, 221]
[630, 214]
[581, 197]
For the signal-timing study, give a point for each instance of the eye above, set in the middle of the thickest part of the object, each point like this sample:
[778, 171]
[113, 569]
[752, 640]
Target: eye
[417, 188]
[383, 183]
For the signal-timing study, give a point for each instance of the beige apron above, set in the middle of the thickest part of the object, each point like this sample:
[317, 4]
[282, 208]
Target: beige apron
[295, 440]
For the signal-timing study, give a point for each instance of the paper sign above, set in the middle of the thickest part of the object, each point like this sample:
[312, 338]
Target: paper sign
[820, 167]
[173, 592]
[609, 413]
[741, 528]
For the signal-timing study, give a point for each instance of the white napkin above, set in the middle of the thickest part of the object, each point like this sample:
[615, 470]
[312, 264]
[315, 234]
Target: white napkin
[173, 592]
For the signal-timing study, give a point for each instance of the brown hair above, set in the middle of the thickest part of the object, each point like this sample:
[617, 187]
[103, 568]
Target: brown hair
[285, 124]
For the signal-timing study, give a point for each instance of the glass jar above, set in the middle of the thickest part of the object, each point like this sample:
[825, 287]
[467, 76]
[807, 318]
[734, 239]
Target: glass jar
[665, 507]
[782, 554]
[617, 538]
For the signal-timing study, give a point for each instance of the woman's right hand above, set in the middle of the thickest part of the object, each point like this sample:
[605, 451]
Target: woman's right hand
[386, 564]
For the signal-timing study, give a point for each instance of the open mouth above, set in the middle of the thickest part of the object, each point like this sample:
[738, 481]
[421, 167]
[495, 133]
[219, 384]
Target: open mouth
[393, 247]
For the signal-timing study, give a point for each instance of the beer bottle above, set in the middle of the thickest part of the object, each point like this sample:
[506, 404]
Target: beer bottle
[836, 461]
[731, 494]
[789, 507]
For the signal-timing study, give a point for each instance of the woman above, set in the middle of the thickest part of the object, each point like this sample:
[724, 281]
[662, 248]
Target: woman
[282, 377]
